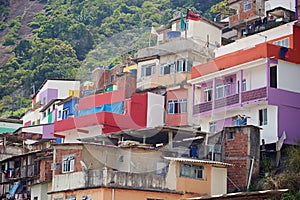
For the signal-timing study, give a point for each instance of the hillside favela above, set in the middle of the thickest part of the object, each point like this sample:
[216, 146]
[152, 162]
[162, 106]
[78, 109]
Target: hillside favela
[149, 100]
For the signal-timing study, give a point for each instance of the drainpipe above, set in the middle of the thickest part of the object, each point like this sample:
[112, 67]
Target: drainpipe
[250, 173]
[112, 194]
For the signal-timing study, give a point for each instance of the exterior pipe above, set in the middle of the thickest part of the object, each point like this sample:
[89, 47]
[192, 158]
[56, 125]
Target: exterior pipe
[112, 194]
[250, 173]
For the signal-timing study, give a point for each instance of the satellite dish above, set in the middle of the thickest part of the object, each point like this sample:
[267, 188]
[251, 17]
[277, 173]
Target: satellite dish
[83, 165]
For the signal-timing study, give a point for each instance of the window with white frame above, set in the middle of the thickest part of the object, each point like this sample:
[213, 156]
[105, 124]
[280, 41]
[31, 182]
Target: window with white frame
[148, 70]
[223, 91]
[65, 113]
[208, 94]
[167, 69]
[212, 127]
[177, 106]
[263, 117]
[283, 43]
[181, 66]
[68, 163]
[243, 85]
[191, 171]
[247, 5]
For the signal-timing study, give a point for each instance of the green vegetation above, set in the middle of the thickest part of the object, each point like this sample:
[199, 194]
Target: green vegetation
[68, 30]
[14, 27]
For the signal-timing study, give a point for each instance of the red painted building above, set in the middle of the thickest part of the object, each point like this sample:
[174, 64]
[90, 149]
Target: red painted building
[111, 112]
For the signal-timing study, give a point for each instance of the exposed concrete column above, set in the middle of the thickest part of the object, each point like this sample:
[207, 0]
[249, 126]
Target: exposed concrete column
[170, 136]
[213, 93]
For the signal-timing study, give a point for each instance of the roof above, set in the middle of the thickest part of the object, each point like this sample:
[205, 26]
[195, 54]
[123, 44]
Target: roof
[8, 120]
[246, 195]
[197, 161]
[49, 104]
[152, 135]
[48, 79]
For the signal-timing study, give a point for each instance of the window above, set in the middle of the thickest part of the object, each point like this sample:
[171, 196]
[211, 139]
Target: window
[112, 78]
[273, 77]
[247, 5]
[68, 163]
[283, 43]
[192, 171]
[153, 199]
[59, 114]
[167, 69]
[181, 66]
[177, 106]
[223, 90]
[73, 197]
[58, 198]
[148, 70]
[219, 91]
[35, 198]
[49, 111]
[263, 117]
[229, 135]
[65, 113]
[212, 127]
[44, 114]
[44, 101]
[208, 94]
[243, 86]
[87, 197]
[53, 107]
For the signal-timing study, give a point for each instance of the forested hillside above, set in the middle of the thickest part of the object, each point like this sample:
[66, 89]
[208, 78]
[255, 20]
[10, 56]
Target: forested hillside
[54, 40]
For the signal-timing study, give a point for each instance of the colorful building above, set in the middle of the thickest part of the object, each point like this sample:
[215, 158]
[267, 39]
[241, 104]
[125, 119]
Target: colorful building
[247, 84]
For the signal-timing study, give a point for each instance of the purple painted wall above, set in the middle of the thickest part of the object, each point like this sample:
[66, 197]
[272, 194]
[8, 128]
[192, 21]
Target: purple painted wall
[48, 131]
[49, 94]
[288, 113]
[220, 124]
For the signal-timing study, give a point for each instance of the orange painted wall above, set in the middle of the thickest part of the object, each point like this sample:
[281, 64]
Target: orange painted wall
[123, 194]
[195, 185]
[263, 50]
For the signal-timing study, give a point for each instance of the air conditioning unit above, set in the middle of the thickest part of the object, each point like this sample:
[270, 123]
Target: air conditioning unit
[55, 166]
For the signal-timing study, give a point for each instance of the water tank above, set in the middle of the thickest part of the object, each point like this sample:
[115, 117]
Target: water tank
[173, 34]
[133, 71]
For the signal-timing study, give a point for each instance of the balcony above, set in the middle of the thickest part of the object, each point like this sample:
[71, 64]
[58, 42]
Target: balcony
[105, 177]
[254, 94]
[247, 97]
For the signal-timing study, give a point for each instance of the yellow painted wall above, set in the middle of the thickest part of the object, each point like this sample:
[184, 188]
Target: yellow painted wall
[128, 68]
[75, 93]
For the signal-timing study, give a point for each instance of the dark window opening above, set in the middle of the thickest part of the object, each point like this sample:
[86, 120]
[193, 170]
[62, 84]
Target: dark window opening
[273, 77]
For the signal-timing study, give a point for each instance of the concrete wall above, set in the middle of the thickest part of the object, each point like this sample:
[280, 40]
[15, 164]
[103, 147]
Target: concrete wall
[288, 76]
[255, 77]
[155, 110]
[251, 41]
[203, 31]
[218, 180]
[39, 191]
[68, 181]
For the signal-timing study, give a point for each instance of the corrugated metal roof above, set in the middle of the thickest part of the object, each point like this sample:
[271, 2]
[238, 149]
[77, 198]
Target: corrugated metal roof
[244, 195]
[197, 161]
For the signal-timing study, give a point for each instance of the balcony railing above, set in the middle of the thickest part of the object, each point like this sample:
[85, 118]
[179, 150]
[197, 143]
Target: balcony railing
[203, 107]
[125, 179]
[227, 101]
[254, 94]
[106, 177]
[247, 96]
